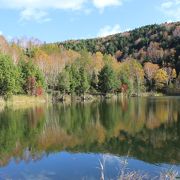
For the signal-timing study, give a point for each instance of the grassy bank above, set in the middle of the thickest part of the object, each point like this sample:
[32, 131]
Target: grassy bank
[2, 104]
[23, 101]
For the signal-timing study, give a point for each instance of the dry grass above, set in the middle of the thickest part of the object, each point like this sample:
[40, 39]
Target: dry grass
[126, 174]
[170, 174]
[2, 104]
[22, 101]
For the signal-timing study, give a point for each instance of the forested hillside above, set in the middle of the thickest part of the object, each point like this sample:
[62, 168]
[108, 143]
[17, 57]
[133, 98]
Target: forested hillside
[155, 43]
[144, 59]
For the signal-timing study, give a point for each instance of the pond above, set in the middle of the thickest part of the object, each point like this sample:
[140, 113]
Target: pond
[91, 141]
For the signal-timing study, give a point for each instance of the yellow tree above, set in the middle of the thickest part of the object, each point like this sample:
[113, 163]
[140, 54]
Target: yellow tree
[16, 52]
[132, 74]
[4, 46]
[71, 56]
[97, 61]
[174, 74]
[42, 60]
[150, 70]
[161, 78]
[108, 59]
[171, 74]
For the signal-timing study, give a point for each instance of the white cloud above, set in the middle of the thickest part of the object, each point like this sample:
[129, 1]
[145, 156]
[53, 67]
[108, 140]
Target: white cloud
[1, 33]
[37, 9]
[166, 5]
[42, 4]
[33, 14]
[109, 30]
[101, 4]
[171, 8]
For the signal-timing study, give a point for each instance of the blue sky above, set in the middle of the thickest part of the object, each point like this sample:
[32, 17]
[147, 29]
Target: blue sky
[59, 20]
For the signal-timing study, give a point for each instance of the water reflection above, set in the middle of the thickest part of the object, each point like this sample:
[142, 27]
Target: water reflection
[147, 128]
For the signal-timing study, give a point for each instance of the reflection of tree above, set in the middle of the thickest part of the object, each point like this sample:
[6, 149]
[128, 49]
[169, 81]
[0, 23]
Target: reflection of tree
[109, 114]
[17, 129]
[148, 127]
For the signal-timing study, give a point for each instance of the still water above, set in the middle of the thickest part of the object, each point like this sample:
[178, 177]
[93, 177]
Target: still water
[74, 142]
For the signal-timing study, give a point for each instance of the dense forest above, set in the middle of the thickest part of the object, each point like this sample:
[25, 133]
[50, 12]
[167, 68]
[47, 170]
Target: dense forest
[141, 60]
[159, 44]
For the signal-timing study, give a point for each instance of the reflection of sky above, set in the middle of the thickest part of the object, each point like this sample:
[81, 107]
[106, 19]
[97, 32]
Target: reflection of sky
[65, 166]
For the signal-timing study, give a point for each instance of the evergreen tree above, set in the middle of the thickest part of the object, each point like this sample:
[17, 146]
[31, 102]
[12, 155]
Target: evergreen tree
[64, 81]
[107, 79]
[84, 82]
[94, 80]
[74, 78]
[9, 76]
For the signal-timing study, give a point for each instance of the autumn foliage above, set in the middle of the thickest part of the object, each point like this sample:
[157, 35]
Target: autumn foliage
[145, 59]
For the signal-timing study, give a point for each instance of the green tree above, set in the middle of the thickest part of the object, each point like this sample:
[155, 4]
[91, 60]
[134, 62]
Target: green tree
[64, 81]
[31, 77]
[107, 79]
[84, 81]
[94, 80]
[9, 76]
[74, 78]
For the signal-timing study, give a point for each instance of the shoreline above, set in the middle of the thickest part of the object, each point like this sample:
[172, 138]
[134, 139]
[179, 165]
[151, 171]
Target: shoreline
[23, 101]
[93, 97]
